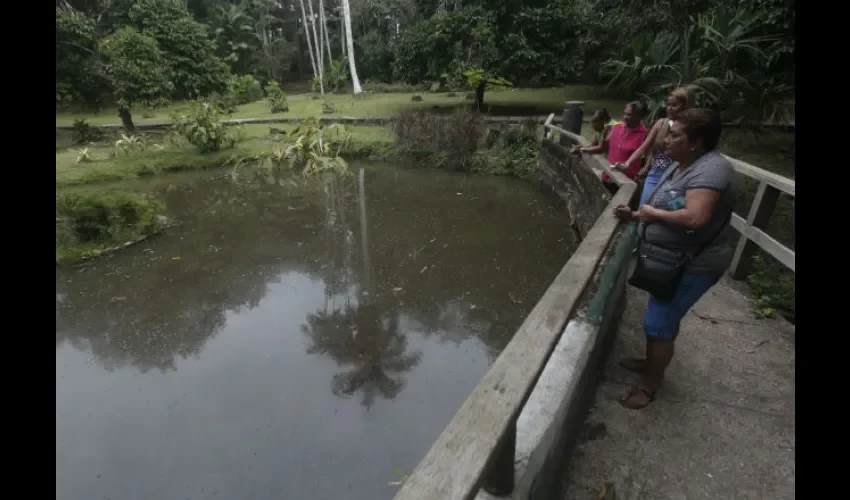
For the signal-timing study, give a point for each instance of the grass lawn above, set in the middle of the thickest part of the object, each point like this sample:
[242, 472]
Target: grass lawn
[520, 102]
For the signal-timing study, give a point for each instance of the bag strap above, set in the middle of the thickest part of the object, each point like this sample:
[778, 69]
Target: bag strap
[666, 175]
[703, 247]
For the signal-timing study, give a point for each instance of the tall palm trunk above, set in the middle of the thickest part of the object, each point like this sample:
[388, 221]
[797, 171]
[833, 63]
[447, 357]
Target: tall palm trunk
[346, 12]
[307, 36]
[318, 45]
[342, 37]
[324, 20]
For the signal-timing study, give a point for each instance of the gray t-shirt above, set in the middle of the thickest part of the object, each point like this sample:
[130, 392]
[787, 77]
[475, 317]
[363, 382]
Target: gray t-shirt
[710, 171]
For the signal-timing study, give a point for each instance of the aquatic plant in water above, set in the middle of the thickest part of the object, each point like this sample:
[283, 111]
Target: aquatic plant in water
[313, 153]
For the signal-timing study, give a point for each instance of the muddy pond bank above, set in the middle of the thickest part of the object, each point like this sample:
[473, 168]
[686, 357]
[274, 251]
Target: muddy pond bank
[293, 339]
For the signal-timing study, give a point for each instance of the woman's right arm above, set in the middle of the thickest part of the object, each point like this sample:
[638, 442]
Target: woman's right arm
[647, 143]
[595, 149]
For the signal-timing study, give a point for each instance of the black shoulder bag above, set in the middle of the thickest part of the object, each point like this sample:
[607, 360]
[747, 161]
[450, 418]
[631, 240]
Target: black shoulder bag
[660, 271]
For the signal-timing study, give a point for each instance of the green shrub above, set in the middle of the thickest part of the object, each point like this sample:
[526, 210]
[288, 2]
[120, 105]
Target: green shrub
[130, 144]
[106, 217]
[773, 286]
[511, 152]
[278, 103]
[83, 132]
[335, 78]
[328, 107]
[226, 102]
[277, 98]
[445, 140]
[244, 89]
[201, 125]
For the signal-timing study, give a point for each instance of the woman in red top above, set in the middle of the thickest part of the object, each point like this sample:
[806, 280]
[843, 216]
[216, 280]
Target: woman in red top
[624, 139]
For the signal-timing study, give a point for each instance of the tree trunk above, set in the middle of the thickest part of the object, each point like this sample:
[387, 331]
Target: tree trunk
[300, 57]
[320, 51]
[318, 45]
[342, 36]
[327, 40]
[127, 120]
[479, 96]
[355, 82]
[307, 36]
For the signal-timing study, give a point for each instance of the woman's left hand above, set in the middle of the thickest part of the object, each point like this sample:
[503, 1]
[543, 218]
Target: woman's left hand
[647, 213]
[624, 213]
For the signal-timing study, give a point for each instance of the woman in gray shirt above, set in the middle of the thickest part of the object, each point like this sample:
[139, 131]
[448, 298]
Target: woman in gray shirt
[689, 211]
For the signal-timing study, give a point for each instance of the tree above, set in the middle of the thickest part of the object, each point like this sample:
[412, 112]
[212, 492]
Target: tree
[355, 81]
[317, 44]
[136, 70]
[233, 31]
[79, 70]
[142, 52]
[537, 42]
[720, 54]
[187, 49]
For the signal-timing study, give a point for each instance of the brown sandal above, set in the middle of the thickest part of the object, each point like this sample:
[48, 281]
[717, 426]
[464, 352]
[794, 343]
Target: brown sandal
[634, 364]
[633, 391]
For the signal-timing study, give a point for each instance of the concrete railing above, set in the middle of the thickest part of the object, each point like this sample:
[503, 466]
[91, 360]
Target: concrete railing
[512, 428]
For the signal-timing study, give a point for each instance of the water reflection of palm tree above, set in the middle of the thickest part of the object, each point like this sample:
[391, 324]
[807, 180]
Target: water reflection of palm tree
[360, 337]
[368, 343]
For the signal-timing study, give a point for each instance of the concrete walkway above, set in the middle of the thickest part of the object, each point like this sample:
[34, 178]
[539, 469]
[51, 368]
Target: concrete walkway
[721, 427]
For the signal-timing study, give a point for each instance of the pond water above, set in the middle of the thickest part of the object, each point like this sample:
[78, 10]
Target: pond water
[292, 339]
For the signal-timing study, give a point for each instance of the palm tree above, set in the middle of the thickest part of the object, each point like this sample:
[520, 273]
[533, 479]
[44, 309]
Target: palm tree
[368, 344]
[309, 41]
[355, 81]
[320, 65]
[720, 55]
[232, 29]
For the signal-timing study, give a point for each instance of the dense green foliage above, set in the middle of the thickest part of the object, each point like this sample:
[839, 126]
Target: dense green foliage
[639, 48]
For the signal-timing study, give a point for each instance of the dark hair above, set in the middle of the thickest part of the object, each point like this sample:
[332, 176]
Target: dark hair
[638, 108]
[702, 123]
[600, 114]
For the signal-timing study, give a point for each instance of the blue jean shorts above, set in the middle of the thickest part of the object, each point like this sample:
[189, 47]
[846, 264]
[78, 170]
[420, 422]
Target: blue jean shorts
[663, 317]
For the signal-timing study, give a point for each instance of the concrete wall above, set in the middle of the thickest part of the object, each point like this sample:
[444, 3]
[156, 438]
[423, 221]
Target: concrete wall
[574, 182]
[548, 425]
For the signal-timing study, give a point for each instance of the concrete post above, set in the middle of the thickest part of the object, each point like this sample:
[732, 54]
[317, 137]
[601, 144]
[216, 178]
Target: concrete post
[571, 120]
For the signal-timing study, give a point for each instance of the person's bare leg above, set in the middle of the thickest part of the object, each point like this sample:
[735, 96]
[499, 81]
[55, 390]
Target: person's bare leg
[638, 365]
[661, 352]
[657, 362]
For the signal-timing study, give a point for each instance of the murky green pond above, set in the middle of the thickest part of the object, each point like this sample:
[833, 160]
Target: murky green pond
[292, 340]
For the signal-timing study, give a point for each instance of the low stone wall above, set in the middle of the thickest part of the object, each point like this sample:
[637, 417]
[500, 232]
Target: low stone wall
[574, 182]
